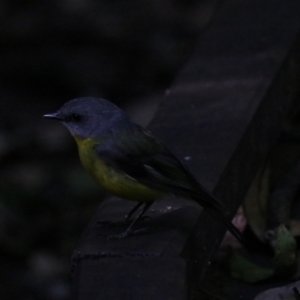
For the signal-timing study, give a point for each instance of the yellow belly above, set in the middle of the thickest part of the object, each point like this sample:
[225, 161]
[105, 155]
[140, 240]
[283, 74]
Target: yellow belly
[115, 182]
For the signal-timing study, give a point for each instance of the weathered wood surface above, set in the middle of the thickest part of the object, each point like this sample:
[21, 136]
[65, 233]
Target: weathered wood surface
[222, 115]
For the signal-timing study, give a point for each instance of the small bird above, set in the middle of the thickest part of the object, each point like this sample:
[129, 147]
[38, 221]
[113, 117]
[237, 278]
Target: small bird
[128, 161]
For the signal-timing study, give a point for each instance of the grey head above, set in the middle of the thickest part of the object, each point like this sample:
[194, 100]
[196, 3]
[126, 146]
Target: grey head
[90, 117]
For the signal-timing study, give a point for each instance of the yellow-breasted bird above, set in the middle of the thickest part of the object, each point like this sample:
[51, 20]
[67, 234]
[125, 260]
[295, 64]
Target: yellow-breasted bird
[128, 161]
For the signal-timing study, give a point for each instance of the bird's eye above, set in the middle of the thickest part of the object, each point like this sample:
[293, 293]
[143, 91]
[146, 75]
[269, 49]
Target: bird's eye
[75, 117]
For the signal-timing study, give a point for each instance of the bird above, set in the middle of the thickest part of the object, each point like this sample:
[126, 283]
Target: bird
[128, 161]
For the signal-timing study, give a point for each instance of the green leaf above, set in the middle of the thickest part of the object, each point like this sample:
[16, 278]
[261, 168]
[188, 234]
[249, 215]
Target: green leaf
[285, 252]
[285, 260]
[242, 269]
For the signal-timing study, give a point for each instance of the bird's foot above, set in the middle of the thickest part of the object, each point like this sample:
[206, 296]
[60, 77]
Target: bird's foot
[118, 236]
[127, 233]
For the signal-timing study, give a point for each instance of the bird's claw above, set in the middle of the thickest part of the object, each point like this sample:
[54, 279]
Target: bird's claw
[118, 236]
[127, 233]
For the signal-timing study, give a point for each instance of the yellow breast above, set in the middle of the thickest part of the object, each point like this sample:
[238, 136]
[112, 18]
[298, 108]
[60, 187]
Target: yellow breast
[114, 181]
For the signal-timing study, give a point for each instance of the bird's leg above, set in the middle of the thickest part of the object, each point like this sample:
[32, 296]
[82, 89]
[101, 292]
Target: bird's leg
[127, 217]
[146, 207]
[129, 230]
[133, 210]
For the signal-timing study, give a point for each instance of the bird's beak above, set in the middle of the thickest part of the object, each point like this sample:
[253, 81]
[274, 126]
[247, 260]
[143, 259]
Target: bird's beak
[54, 116]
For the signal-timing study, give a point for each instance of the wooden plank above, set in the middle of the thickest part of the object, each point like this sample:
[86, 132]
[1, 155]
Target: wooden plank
[223, 114]
[107, 278]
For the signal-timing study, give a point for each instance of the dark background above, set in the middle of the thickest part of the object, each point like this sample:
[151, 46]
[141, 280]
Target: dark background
[50, 52]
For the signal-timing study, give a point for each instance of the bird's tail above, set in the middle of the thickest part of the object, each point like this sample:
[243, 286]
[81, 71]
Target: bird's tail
[213, 207]
[218, 215]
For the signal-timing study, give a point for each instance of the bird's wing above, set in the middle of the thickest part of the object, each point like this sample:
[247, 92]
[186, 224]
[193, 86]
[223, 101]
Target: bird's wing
[144, 158]
[141, 156]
